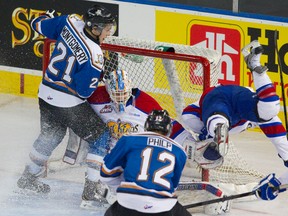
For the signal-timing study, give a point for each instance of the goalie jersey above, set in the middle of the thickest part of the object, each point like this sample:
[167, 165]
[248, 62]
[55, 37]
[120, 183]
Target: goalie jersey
[132, 120]
[151, 165]
[75, 64]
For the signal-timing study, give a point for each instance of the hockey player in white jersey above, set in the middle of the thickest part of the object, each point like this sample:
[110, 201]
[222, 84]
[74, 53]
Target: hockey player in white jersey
[72, 76]
[225, 110]
[147, 168]
[124, 110]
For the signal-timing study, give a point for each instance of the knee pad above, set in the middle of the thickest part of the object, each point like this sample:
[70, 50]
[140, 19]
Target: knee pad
[268, 110]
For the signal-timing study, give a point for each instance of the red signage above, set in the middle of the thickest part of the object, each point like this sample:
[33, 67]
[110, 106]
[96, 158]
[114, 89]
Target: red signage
[227, 42]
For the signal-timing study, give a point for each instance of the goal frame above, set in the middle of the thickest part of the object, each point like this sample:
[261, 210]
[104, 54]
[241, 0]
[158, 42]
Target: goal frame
[149, 53]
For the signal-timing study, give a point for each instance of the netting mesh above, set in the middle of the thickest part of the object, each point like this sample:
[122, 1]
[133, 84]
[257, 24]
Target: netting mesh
[149, 73]
[175, 83]
[235, 169]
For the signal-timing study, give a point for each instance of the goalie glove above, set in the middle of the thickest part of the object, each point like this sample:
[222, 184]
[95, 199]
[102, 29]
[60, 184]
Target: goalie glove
[268, 188]
[51, 13]
[204, 153]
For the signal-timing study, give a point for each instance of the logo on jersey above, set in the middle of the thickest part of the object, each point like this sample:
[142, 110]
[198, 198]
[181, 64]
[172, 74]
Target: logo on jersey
[119, 128]
[225, 40]
[49, 97]
[147, 206]
[106, 109]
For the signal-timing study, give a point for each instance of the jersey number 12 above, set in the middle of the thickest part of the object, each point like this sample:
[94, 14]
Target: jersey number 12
[159, 174]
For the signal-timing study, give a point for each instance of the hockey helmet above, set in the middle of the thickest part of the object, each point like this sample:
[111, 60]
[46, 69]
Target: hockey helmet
[159, 121]
[119, 88]
[99, 17]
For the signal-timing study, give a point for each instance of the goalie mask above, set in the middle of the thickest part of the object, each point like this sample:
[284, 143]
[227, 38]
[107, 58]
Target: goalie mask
[159, 121]
[119, 88]
[99, 17]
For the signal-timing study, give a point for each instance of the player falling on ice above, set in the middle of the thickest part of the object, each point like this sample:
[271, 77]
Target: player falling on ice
[232, 109]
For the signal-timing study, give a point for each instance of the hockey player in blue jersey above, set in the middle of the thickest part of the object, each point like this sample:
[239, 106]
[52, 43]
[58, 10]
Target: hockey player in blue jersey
[124, 110]
[146, 167]
[233, 109]
[72, 76]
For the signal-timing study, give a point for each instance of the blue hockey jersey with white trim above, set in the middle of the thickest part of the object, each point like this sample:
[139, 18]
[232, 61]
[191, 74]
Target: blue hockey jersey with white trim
[76, 63]
[151, 164]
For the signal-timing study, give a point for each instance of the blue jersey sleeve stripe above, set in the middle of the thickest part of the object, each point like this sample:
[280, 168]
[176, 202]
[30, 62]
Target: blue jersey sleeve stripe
[113, 172]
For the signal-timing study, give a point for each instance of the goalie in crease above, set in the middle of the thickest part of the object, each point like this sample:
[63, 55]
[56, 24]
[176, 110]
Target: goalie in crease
[124, 110]
[228, 109]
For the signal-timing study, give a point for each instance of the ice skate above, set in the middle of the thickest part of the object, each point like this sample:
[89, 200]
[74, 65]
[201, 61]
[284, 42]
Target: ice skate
[93, 196]
[252, 53]
[31, 182]
[221, 138]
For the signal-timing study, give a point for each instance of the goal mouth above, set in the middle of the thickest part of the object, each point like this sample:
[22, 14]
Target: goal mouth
[175, 75]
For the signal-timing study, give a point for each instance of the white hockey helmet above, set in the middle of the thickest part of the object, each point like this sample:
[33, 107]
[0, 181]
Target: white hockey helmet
[119, 88]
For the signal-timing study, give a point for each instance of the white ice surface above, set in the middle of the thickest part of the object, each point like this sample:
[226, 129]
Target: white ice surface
[19, 123]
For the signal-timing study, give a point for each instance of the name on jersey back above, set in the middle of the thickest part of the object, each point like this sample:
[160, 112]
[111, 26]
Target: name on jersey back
[74, 45]
[155, 141]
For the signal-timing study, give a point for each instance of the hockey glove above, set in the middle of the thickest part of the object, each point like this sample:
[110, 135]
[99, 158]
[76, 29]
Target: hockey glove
[207, 155]
[268, 188]
[51, 13]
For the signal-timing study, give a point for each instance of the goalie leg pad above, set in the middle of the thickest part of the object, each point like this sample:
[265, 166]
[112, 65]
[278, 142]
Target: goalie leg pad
[101, 146]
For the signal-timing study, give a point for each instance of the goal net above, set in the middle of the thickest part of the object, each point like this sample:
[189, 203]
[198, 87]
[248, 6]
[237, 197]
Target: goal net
[175, 75]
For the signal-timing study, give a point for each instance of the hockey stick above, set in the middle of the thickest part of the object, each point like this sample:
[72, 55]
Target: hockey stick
[281, 80]
[225, 198]
[202, 186]
[193, 186]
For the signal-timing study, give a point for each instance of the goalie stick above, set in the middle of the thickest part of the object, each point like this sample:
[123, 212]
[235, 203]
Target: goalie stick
[226, 198]
[200, 186]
